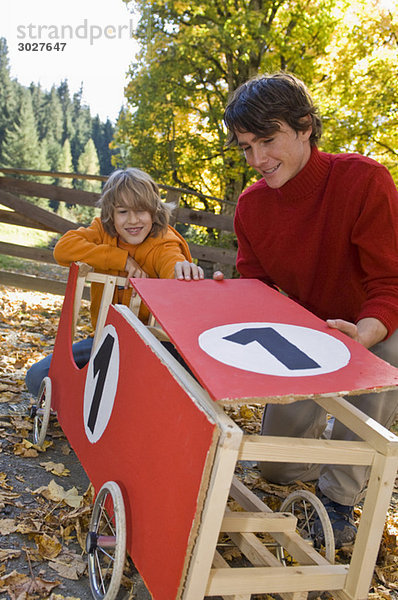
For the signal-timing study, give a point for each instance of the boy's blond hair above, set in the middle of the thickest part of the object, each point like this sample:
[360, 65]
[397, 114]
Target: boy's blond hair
[134, 189]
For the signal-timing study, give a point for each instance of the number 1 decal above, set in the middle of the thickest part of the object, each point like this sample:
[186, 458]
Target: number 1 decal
[101, 384]
[277, 349]
[286, 352]
[101, 365]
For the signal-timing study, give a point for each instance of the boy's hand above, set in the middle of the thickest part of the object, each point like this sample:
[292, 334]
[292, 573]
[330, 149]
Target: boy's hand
[133, 270]
[185, 270]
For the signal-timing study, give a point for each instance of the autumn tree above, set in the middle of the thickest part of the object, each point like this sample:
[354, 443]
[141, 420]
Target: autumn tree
[193, 54]
[358, 87]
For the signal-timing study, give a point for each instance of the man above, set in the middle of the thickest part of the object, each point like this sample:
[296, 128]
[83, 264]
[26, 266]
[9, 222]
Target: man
[322, 228]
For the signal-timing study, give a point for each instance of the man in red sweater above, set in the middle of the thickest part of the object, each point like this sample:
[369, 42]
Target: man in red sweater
[322, 228]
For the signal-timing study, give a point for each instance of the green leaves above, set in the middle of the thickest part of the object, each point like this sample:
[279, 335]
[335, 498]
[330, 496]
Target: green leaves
[193, 54]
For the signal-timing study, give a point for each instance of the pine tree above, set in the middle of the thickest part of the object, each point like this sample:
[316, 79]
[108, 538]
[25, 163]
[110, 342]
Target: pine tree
[65, 165]
[38, 103]
[67, 110]
[102, 135]
[82, 126]
[8, 94]
[88, 164]
[21, 147]
[53, 125]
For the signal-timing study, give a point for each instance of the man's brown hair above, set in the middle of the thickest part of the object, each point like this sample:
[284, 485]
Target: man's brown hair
[259, 105]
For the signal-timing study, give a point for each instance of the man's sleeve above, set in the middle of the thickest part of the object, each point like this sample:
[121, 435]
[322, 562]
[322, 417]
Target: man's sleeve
[376, 235]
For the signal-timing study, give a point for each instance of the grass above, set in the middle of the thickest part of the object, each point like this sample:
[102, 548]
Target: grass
[23, 236]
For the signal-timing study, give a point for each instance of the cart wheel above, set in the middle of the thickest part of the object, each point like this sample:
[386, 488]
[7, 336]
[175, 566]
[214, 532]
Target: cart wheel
[41, 412]
[306, 507]
[106, 542]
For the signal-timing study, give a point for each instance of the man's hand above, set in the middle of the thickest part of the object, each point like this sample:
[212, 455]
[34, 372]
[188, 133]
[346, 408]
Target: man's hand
[368, 331]
[218, 276]
[185, 271]
[133, 270]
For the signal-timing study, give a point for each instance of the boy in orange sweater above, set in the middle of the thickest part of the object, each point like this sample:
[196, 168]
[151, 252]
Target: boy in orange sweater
[131, 238]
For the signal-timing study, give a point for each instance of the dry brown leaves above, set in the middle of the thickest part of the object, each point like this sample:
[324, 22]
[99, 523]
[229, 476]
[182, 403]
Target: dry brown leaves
[55, 516]
[51, 518]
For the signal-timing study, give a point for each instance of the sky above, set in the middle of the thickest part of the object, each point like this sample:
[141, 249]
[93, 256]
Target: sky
[97, 49]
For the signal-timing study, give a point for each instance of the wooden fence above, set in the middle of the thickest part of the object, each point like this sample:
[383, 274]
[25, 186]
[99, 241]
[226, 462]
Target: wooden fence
[23, 213]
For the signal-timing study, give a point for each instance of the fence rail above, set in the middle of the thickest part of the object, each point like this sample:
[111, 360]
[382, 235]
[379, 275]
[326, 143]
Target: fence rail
[26, 214]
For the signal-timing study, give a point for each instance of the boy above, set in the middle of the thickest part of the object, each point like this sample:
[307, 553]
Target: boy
[131, 238]
[324, 229]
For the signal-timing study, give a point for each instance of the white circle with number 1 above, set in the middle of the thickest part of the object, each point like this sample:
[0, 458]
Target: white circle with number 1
[101, 384]
[275, 349]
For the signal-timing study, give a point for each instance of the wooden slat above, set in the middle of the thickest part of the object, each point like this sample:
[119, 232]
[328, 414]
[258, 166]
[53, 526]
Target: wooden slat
[212, 254]
[38, 254]
[36, 284]
[257, 580]
[54, 174]
[371, 526]
[205, 219]
[260, 556]
[12, 218]
[254, 521]
[220, 563]
[84, 176]
[51, 192]
[298, 548]
[29, 282]
[365, 427]
[72, 196]
[260, 447]
[51, 220]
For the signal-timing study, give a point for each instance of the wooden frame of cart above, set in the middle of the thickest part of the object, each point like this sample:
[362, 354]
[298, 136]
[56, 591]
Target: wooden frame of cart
[164, 440]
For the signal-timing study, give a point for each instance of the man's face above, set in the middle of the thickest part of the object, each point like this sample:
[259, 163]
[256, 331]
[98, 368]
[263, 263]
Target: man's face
[277, 158]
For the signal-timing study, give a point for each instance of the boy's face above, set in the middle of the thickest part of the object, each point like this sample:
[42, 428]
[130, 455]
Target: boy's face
[132, 226]
[277, 158]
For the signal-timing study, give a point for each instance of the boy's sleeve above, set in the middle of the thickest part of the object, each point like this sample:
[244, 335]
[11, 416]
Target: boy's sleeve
[167, 255]
[86, 244]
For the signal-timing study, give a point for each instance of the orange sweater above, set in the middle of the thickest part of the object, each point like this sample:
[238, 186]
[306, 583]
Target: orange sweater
[106, 254]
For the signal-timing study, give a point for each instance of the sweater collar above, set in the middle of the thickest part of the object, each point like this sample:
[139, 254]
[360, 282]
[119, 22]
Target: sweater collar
[309, 180]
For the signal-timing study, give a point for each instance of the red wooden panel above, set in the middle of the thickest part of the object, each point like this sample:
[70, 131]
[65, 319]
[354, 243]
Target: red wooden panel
[155, 444]
[287, 363]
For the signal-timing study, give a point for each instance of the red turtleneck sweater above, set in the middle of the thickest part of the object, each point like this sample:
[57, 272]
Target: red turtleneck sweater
[328, 238]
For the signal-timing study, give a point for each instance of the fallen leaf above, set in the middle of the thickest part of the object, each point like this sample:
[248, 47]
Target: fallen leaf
[57, 493]
[7, 526]
[69, 565]
[6, 553]
[18, 585]
[47, 546]
[55, 468]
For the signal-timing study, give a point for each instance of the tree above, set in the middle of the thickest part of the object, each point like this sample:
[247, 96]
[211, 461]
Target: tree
[88, 164]
[8, 94]
[358, 93]
[102, 135]
[195, 53]
[65, 165]
[81, 120]
[67, 110]
[22, 146]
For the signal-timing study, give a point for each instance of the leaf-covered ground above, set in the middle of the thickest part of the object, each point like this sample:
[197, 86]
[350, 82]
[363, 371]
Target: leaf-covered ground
[45, 497]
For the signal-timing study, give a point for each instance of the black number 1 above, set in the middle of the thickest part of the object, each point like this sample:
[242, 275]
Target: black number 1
[101, 365]
[283, 350]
